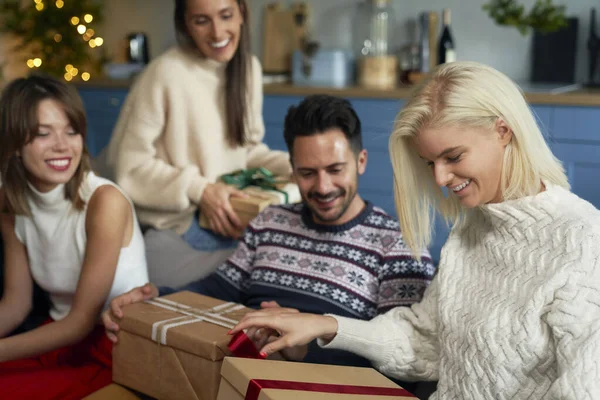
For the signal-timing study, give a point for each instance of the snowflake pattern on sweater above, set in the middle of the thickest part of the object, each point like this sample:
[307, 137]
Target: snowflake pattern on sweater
[361, 268]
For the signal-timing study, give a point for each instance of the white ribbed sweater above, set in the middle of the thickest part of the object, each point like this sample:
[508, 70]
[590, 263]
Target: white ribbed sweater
[513, 313]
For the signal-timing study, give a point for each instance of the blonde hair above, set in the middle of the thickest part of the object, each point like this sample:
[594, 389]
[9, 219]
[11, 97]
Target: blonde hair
[474, 95]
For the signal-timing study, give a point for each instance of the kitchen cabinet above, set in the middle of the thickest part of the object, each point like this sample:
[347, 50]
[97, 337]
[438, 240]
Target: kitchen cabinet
[102, 106]
[575, 140]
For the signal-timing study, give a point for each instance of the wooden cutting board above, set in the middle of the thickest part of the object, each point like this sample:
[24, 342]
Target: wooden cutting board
[283, 32]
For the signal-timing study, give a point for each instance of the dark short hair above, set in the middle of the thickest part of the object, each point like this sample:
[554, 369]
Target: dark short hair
[238, 73]
[18, 125]
[319, 113]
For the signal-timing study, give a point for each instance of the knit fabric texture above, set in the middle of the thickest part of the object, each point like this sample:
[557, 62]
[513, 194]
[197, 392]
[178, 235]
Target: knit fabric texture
[513, 312]
[359, 269]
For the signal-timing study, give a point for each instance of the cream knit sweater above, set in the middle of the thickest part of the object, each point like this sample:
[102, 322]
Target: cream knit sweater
[170, 140]
[513, 313]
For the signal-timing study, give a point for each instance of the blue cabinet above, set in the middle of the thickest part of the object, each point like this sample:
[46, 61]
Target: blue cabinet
[543, 116]
[573, 134]
[377, 118]
[274, 111]
[102, 106]
[575, 140]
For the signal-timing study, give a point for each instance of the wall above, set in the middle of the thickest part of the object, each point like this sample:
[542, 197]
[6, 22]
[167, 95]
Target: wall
[12, 66]
[476, 35]
[154, 17]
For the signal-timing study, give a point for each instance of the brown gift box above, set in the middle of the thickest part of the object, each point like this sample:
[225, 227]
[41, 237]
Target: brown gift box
[237, 373]
[166, 351]
[112, 392]
[248, 208]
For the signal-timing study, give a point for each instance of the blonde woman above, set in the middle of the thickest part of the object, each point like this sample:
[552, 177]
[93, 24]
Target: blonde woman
[514, 311]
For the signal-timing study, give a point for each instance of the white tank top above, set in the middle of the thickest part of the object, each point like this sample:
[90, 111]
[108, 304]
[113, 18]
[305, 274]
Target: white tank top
[55, 239]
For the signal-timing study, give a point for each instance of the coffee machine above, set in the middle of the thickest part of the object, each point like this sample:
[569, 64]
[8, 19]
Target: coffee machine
[137, 48]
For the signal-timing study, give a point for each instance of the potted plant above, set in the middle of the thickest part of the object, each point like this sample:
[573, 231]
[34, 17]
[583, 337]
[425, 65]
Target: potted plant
[544, 16]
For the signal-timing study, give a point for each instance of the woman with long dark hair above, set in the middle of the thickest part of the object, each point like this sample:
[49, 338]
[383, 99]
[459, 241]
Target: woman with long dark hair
[193, 115]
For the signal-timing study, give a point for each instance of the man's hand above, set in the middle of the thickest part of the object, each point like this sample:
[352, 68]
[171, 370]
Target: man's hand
[115, 312]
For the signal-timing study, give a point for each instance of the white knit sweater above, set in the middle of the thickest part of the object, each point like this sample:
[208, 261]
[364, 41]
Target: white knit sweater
[513, 313]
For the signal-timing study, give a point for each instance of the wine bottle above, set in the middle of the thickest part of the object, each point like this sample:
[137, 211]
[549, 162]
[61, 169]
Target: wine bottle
[446, 50]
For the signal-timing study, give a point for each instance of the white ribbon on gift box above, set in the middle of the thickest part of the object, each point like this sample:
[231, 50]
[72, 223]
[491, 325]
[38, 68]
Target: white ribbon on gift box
[190, 316]
[292, 190]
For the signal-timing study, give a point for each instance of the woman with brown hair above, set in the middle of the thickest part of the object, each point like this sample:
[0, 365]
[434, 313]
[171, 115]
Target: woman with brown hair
[193, 115]
[72, 233]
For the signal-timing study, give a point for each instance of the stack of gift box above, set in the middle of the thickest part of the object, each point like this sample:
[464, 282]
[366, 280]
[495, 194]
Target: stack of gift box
[178, 347]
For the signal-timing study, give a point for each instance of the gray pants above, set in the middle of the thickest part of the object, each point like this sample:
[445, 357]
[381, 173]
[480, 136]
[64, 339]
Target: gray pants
[172, 262]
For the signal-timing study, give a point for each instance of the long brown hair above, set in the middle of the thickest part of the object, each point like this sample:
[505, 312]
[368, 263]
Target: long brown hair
[237, 72]
[18, 125]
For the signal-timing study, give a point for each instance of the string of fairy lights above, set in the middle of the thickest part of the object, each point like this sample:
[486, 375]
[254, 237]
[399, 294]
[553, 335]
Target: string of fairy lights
[86, 33]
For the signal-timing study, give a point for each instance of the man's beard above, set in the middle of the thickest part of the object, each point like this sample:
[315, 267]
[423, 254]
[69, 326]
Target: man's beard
[331, 195]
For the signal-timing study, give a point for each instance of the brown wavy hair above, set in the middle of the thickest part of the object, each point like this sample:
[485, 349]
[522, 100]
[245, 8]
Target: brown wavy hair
[237, 73]
[19, 123]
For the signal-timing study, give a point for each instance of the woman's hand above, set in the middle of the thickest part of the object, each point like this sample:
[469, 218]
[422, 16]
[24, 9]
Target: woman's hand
[294, 328]
[215, 205]
[261, 336]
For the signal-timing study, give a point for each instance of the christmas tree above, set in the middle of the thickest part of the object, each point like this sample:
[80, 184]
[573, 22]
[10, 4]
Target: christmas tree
[57, 36]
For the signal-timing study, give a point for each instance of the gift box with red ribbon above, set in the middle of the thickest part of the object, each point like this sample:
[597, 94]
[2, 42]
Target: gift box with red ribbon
[251, 379]
[112, 392]
[172, 347]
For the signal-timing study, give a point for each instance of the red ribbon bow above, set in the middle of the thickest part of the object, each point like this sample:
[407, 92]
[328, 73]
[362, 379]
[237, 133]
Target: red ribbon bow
[241, 346]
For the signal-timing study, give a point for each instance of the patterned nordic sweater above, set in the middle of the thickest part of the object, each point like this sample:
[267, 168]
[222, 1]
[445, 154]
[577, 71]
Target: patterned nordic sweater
[358, 269]
[513, 313]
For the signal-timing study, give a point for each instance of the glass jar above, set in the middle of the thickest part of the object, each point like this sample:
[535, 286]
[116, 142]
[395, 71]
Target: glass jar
[374, 28]
[377, 63]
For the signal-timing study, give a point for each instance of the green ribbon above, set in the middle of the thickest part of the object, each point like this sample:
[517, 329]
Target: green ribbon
[261, 177]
